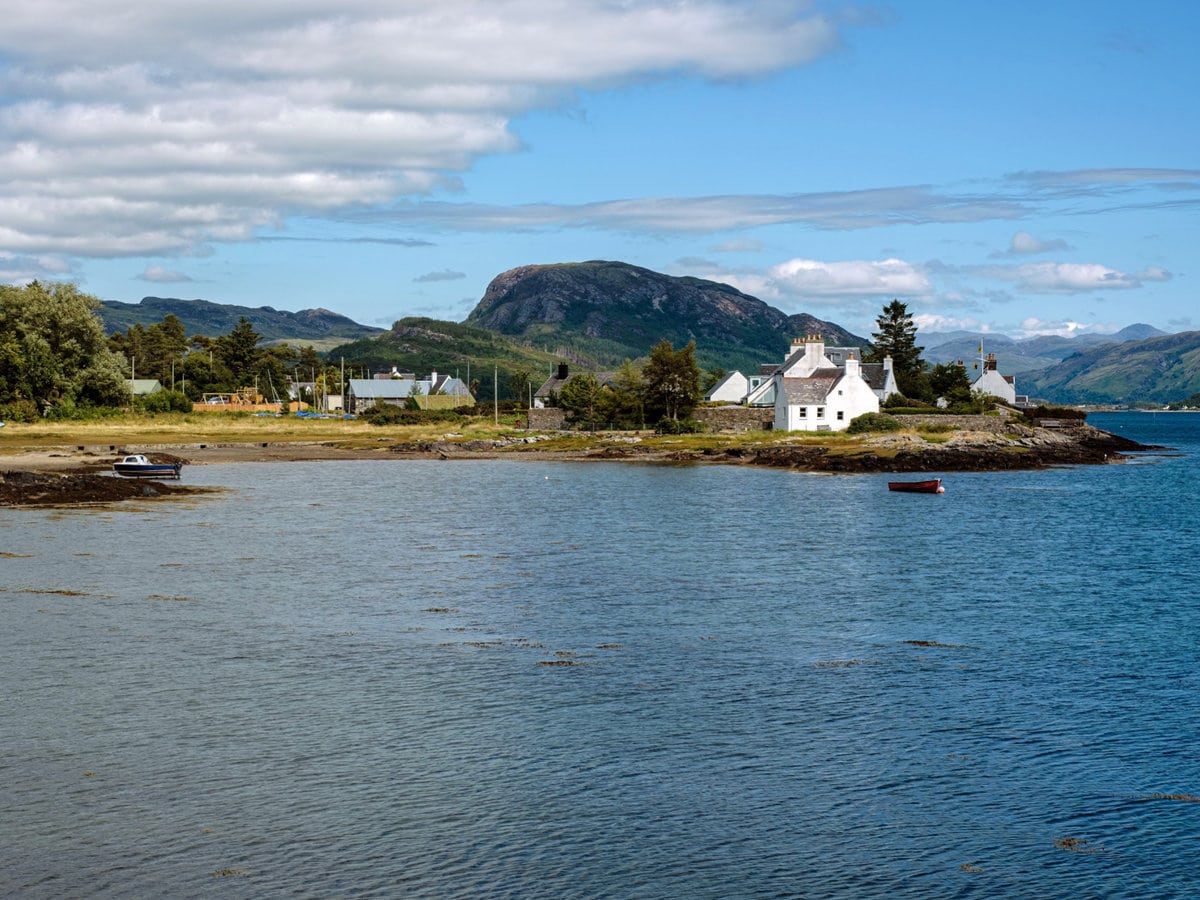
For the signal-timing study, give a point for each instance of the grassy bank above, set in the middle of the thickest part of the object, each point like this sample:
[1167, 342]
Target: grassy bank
[133, 432]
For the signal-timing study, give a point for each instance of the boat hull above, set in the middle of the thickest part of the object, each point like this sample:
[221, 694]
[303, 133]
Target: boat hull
[929, 486]
[153, 470]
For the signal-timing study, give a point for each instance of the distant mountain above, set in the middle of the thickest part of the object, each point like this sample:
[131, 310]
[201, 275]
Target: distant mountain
[604, 312]
[213, 319]
[1160, 369]
[1026, 358]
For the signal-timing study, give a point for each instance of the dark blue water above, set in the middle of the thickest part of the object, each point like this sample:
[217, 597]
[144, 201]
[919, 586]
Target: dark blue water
[524, 679]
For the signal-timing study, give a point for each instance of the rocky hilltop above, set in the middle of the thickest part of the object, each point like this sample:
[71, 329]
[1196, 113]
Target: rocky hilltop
[212, 319]
[610, 311]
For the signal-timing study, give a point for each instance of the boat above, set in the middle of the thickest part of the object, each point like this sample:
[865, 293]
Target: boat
[929, 486]
[137, 466]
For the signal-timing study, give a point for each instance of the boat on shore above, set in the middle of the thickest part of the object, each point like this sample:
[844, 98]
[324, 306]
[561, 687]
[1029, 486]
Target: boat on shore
[928, 486]
[137, 465]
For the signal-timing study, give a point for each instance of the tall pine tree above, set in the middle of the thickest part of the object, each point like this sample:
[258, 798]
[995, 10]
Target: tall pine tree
[897, 338]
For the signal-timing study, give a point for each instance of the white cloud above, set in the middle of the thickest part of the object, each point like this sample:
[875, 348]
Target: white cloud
[443, 275]
[743, 245]
[938, 323]
[1154, 273]
[1023, 243]
[859, 278]
[140, 127]
[1072, 278]
[1034, 327]
[800, 281]
[159, 274]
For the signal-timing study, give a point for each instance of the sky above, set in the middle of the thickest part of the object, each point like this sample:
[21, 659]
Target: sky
[1014, 168]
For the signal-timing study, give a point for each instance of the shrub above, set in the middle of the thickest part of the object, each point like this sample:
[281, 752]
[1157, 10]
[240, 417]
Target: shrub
[164, 401]
[19, 411]
[390, 414]
[873, 422]
[680, 426]
[935, 427]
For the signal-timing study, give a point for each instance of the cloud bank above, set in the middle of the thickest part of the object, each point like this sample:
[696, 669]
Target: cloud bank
[133, 127]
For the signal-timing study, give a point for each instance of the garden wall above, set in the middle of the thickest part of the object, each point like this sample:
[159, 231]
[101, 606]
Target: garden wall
[735, 418]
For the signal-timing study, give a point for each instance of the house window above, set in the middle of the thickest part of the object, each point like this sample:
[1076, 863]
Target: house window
[820, 412]
[804, 412]
[841, 415]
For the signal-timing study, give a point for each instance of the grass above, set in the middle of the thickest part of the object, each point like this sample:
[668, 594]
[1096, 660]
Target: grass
[183, 429]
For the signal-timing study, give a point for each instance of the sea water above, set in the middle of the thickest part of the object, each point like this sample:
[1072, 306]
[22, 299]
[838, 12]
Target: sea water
[535, 679]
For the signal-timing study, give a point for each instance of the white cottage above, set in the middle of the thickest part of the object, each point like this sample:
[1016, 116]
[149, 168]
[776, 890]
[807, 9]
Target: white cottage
[992, 382]
[812, 393]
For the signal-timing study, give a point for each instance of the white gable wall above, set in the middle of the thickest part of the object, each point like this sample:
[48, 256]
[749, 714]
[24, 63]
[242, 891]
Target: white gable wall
[733, 388]
[992, 382]
[849, 397]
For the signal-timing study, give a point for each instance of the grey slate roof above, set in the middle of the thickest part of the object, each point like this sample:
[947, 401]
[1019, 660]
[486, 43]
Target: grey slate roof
[873, 375]
[554, 383]
[813, 390]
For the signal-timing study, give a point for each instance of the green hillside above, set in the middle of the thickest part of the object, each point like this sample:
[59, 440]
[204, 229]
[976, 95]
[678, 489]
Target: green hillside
[422, 345]
[1161, 369]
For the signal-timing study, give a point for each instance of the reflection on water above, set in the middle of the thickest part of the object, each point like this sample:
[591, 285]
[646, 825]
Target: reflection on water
[545, 680]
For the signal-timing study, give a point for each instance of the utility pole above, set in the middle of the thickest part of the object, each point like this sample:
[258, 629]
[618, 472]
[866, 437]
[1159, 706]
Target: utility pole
[496, 393]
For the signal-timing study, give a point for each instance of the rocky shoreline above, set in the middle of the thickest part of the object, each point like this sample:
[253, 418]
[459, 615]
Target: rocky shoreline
[53, 479]
[1018, 447]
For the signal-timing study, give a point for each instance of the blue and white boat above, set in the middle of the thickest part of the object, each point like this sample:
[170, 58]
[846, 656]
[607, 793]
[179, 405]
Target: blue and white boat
[137, 466]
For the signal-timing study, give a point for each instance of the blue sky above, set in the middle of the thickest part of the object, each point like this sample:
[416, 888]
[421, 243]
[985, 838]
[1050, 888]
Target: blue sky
[1015, 168]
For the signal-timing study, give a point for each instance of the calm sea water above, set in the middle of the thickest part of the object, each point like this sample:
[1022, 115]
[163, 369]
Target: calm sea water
[504, 679]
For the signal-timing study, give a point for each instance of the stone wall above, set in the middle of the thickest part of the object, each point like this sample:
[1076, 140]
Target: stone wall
[547, 419]
[735, 418]
[994, 424]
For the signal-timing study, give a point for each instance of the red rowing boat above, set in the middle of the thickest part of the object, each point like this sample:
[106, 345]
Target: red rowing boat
[929, 486]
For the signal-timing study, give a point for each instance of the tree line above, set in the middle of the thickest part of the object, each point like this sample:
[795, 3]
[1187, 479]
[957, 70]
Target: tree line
[665, 389]
[56, 361]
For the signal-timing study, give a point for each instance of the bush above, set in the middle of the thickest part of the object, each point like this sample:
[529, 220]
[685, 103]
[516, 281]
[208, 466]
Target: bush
[19, 411]
[164, 401]
[935, 427]
[873, 422]
[920, 411]
[680, 426]
[390, 414]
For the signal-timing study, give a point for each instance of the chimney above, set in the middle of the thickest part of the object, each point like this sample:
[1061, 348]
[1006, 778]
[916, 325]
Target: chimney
[433, 379]
[562, 372]
[852, 364]
[990, 363]
[887, 364]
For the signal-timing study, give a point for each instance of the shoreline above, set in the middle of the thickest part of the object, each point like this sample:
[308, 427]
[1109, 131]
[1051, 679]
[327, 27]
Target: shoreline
[81, 473]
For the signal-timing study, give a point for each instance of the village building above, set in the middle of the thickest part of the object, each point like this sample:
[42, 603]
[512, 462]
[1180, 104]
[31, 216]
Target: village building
[990, 381]
[544, 395]
[436, 391]
[143, 387]
[810, 392]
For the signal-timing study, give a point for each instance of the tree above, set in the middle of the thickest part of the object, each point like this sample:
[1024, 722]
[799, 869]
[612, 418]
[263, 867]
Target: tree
[623, 404]
[672, 380]
[897, 338]
[238, 352]
[54, 351]
[580, 396]
[518, 386]
[949, 380]
[154, 352]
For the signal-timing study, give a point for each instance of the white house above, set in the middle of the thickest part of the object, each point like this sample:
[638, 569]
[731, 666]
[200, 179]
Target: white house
[992, 382]
[733, 388]
[812, 393]
[364, 393]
